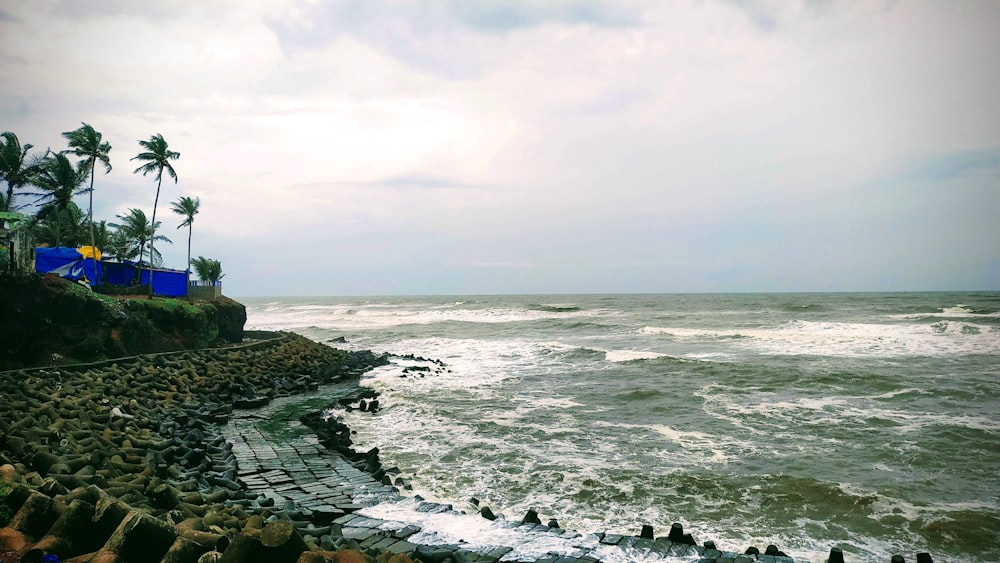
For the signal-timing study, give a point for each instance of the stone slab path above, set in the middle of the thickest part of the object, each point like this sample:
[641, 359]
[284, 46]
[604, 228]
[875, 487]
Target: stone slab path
[330, 497]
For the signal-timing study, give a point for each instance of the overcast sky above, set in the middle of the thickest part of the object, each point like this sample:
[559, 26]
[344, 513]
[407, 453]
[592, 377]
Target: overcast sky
[360, 147]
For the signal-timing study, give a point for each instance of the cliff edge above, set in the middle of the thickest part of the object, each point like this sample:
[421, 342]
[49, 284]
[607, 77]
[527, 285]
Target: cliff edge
[45, 320]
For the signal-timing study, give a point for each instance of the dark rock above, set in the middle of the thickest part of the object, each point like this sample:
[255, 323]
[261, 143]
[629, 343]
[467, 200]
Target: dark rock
[486, 513]
[647, 532]
[773, 550]
[676, 534]
[531, 517]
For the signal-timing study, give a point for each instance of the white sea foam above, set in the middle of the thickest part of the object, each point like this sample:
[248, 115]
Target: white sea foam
[957, 312]
[840, 339]
[737, 406]
[630, 355]
[479, 534]
[369, 316]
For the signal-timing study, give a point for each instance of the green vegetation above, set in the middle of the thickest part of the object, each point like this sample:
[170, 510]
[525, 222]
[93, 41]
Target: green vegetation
[136, 231]
[208, 270]
[44, 188]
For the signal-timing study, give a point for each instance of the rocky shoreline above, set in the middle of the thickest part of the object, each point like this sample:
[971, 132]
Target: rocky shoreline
[122, 460]
[224, 455]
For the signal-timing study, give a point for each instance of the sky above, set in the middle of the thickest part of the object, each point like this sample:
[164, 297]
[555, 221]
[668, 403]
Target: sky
[365, 147]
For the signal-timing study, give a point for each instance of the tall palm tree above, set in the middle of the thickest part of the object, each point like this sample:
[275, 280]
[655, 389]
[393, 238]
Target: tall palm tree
[59, 181]
[86, 143]
[187, 208]
[156, 158]
[133, 233]
[16, 167]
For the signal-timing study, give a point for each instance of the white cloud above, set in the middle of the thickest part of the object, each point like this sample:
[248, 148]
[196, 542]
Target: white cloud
[592, 141]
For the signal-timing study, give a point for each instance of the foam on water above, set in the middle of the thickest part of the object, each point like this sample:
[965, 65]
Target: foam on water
[373, 316]
[479, 534]
[597, 424]
[851, 340]
[630, 355]
[957, 312]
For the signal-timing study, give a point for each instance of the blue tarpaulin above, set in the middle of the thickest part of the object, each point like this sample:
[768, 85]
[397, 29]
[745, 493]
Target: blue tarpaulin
[119, 273]
[168, 283]
[67, 263]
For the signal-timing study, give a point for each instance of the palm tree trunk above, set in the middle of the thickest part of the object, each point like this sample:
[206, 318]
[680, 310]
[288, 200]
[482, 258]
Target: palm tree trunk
[152, 231]
[187, 268]
[90, 219]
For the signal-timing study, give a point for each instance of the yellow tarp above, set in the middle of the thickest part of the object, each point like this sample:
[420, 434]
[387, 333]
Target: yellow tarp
[90, 251]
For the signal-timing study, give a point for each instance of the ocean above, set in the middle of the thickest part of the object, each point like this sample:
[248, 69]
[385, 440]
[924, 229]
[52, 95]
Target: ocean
[868, 421]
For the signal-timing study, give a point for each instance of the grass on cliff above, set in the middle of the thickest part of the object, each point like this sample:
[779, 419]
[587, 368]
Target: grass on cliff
[167, 304]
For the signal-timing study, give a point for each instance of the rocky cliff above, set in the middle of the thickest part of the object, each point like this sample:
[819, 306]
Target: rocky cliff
[46, 320]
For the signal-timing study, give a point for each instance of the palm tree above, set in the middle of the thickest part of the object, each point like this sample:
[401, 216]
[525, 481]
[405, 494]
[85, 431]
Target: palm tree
[59, 181]
[60, 226]
[101, 235]
[187, 208]
[156, 157]
[119, 245]
[132, 234]
[86, 143]
[208, 270]
[16, 167]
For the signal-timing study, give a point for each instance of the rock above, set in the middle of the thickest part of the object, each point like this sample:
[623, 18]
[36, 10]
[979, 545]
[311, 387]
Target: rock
[531, 517]
[138, 537]
[486, 513]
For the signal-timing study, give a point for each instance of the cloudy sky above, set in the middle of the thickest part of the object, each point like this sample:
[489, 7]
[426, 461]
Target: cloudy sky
[361, 147]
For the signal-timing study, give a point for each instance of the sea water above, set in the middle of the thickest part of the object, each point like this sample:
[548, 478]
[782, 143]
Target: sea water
[868, 421]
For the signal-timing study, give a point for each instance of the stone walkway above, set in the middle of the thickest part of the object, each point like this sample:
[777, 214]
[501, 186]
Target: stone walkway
[282, 462]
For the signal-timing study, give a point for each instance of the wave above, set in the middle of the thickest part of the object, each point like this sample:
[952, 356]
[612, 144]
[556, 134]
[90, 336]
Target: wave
[959, 311]
[554, 308]
[631, 355]
[844, 339]
[694, 333]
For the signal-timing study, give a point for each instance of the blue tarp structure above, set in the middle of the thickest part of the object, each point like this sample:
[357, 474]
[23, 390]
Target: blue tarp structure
[67, 263]
[118, 273]
[168, 283]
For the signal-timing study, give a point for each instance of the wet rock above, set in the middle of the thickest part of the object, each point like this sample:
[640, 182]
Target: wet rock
[531, 517]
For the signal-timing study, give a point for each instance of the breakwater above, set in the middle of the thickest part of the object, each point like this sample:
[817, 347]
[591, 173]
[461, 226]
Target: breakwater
[223, 455]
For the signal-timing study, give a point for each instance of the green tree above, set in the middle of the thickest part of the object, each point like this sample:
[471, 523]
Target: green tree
[132, 235]
[65, 226]
[119, 245]
[101, 235]
[156, 158]
[208, 270]
[16, 167]
[87, 144]
[187, 208]
[59, 181]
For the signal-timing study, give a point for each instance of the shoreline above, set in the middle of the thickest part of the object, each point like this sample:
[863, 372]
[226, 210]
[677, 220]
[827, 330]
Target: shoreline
[137, 444]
